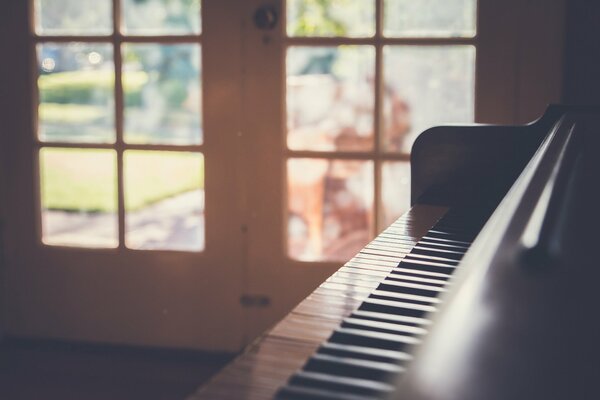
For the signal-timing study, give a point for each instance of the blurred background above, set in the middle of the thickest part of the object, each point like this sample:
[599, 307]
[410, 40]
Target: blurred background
[163, 160]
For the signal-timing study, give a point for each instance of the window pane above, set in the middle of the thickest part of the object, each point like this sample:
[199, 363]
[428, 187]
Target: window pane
[161, 17]
[76, 92]
[330, 98]
[164, 200]
[353, 18]
[425, 86]
[79, 197]
[395, 188]
[430, 18]
[329, 208]
[162, 93]
[73, 17]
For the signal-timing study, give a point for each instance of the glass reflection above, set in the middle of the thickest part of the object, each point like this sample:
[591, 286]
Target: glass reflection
[425, 86]
[162, 93]
[330, 98]
[329, 208]
[395, 191]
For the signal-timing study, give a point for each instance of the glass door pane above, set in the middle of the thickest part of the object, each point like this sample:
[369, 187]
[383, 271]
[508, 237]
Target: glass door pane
[162, 93]
[73, 17]
[164, 200]
[79, 197]
[425, 86]
[76, 92]
[430, 18]
[330, 98]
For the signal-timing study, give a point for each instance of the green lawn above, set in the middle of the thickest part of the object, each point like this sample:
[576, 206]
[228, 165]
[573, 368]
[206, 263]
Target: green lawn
[77, 179]
[75, 86]
[71, 113]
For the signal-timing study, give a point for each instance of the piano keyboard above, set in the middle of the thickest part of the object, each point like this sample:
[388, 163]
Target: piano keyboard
[371, 346]
[351, 335]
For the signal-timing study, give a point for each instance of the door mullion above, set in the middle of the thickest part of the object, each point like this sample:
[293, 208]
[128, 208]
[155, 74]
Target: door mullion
[377, 118]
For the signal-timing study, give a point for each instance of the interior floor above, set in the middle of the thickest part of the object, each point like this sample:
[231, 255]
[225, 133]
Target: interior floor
[59, 370]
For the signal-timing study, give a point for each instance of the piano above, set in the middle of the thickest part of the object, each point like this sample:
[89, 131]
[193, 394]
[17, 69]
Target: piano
[488, 288]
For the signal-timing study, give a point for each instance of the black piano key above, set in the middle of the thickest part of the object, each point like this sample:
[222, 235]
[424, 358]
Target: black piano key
[405, 297]
[361, 352]
[378, 340]
[430, 238]
[429, 266]
[377, 316]
[443, 260]
[396, 307]
[450, 234]
[443, 245]
[352, 367]
[449, 239]
[410, 288]
[451, 230]
[385, 327]
[408, 271]
[399, 277]
[431, 251]
[341, 384]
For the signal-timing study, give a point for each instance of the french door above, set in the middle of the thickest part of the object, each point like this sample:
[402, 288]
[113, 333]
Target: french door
[345, 87]
[197, 168]
[130, 232]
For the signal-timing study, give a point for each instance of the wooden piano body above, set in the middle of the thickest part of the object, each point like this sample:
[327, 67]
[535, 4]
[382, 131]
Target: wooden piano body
[486, 289]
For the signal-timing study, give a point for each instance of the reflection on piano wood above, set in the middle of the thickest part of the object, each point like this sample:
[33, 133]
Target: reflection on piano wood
[517, 320]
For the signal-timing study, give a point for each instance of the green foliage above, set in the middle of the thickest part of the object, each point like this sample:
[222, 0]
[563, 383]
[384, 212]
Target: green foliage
[316, 19]
[89, 87]
[175, 92]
